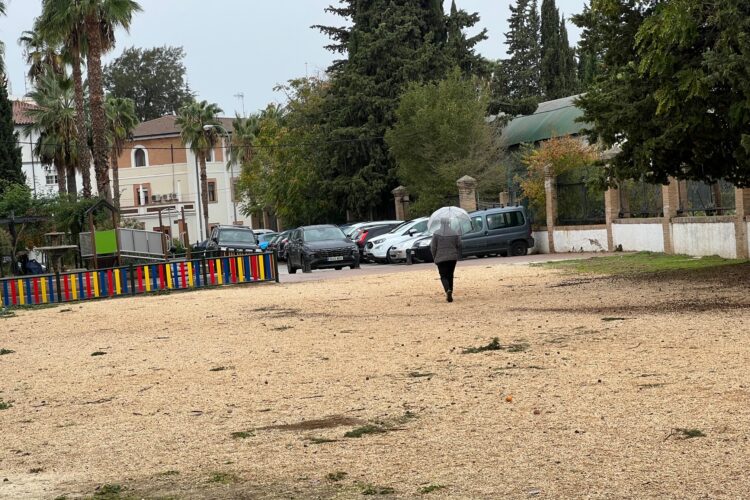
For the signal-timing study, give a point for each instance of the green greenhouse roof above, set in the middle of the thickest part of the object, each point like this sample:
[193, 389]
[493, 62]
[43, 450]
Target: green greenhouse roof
[551, 119]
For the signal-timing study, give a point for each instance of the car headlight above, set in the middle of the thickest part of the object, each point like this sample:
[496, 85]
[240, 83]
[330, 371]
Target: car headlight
[378, 242]
[424, 243]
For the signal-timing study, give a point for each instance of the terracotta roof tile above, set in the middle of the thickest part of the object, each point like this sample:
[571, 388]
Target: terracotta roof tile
[166, 125]
[20, 117]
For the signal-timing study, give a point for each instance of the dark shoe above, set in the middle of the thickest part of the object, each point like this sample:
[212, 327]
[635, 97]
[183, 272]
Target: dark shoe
[449, 295]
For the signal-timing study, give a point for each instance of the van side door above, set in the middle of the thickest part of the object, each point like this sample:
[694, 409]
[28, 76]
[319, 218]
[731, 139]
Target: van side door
[503, 228]
[473, 242]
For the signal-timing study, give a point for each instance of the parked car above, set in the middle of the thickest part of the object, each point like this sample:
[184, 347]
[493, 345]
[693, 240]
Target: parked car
[377, 249]
[498, 231]
[351, 229]
[231, 238]
[265, 238]
[420, 249]
[397, 251]
[278, 243]
[320, 247]
[364, 234]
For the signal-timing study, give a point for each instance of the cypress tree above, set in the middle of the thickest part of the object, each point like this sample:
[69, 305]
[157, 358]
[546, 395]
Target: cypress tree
[10, 152]
[551, 47]
[568, 65]
[523, 71]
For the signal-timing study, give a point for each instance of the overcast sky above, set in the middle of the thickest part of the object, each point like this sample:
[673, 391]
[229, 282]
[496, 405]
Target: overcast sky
[244, 46]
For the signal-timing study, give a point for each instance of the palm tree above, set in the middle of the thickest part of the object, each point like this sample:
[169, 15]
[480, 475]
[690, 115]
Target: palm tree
[244, 131]
[54, 119]
[121, 122]
[87, 29]
[41, 55]
[196, 122]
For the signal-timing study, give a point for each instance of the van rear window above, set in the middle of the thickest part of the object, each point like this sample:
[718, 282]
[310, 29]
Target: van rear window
[505, 219]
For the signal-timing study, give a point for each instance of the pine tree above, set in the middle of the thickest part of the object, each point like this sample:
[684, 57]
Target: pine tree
[460, 48]
[389, 44]
[10, 152]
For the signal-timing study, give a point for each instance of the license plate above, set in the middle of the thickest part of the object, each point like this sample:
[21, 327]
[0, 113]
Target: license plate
[334, 259]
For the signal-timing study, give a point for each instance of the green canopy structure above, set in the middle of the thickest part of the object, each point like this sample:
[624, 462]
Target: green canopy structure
[551, 119]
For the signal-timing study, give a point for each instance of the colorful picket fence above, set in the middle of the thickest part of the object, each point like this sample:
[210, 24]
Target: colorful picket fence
[138, 279]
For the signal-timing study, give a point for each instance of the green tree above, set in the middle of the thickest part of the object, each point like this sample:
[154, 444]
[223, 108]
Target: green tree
[441, 135]
[155, 79]
[460, 48]
[559, 76]
[196, 121]
[121, 121]
[523, 41]
[54, 119]
[389, 44]
[40, 54]
[10, 151]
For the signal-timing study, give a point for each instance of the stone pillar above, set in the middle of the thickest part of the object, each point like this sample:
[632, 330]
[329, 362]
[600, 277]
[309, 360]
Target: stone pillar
[467, 193]
[682, 199]
[742, 204]
[611, 212]
[505, 198]
[401, 199]
[550, 199]
[670, 195]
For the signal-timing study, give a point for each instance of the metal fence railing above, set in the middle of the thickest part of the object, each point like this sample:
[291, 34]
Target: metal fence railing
[708, 199]
[578, 203]
[640, 199]
[138, 279]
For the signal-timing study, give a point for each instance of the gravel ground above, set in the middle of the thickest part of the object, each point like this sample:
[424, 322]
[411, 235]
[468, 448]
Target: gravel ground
[248, 392]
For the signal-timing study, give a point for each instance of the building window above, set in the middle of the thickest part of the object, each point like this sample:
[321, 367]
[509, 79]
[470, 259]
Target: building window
[50, 176]
[139, 156]
[141, 191]
[212, 195]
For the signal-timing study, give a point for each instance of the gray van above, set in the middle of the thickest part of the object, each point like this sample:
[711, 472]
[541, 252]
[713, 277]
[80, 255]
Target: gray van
[504, 231]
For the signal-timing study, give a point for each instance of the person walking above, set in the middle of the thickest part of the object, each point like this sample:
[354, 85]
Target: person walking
[446, 250]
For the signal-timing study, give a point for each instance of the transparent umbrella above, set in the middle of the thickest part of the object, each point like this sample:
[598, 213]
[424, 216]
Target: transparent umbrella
[449, 221]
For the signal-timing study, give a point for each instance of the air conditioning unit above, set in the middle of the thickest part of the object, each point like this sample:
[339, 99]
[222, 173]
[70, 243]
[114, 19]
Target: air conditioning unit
[173, 197]
[156, 198]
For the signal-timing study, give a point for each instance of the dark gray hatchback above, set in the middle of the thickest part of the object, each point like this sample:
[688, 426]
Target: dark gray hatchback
[504, 231]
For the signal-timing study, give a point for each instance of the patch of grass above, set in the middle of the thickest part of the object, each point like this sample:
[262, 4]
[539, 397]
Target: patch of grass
[495, 345]
[370, 489]
[222, 478]
[365, 430]
[320, 440]
[3, 352]
[612, 318]
[639, 263]
[430, 488]
[336, 476]
[6, 313]
[36, 470]
[492, 346]
[4, 405]
[108, 490]
[243, 434]
[686, 433]
[170, 473]
[218, 369]
[98, 353]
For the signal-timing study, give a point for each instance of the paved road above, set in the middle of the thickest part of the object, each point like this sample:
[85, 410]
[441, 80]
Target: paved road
[370, 269]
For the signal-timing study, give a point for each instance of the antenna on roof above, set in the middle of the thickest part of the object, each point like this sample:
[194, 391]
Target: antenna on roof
[241, 97]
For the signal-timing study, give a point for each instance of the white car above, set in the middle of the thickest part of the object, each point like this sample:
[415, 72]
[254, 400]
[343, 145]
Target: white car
[378, 248]
[397, 252]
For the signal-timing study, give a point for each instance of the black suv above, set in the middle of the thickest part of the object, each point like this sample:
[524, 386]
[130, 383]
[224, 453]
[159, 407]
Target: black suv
[320, 247]
[232, 238]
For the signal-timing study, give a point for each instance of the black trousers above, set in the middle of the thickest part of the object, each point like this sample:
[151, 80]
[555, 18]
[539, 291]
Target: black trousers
[446, 270]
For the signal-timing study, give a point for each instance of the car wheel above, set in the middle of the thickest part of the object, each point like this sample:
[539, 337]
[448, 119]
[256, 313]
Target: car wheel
[355, 265]
[338, 268]
[388, 257]
[306, 265]
[518, 248]
[290, 267]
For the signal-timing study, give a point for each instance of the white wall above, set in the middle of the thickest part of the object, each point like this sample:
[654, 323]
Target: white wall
[638, 237]
[541, 242]
[700, 239]
[576, 240]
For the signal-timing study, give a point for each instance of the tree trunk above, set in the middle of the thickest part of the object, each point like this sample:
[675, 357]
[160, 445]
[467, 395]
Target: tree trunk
[204, 193]
[96, 101]
[61, 184]
[84, 159]
[70, 172]
[115, 179]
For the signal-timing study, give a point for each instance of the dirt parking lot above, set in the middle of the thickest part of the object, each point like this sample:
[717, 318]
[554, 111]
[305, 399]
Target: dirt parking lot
[598, 387]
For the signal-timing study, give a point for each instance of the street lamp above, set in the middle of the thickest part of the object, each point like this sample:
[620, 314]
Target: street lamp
[208, 127]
